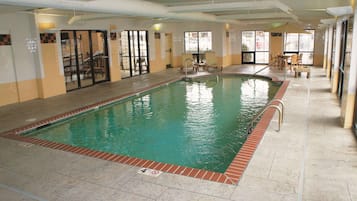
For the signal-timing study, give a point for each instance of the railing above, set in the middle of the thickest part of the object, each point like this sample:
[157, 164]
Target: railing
[281, 103]
[270, 105]
[187, 62]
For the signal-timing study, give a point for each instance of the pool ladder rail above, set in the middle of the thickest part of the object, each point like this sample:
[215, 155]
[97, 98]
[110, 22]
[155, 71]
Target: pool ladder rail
[269, 105]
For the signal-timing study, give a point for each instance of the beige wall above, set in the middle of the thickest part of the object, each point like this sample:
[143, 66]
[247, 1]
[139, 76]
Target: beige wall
[158, 63]
[9, 93]
[52, 83]
[318, 60]
[237, 59]
[347, 110]
[319, 48]
[227, 54]
[19, 68]
[176, 61]
[276, 45]
[114, 70]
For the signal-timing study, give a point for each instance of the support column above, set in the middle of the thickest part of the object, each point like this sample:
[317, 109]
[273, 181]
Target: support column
[336, 57]
[52, 83]
[348, 105]
[114, 58]
[8, 77]
[325, 48]
[157, 63]
[329, 51]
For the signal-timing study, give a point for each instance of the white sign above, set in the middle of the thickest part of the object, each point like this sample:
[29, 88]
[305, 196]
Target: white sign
[149, 172]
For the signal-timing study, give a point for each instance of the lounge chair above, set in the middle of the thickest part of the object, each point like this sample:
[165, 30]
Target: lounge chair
[211, 61]
[298, 70]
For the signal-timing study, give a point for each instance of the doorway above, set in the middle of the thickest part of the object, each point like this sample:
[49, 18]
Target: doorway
[85, 58]
[134, 53]
[168, 50]
[343, 55]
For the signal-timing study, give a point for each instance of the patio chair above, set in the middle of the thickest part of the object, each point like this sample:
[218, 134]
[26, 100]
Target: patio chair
[188, 65]
[299, 69]
[294, 62]
[211, 61]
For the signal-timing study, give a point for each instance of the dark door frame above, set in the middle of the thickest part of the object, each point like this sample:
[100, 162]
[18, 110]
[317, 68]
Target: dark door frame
[91, 62]
[130, 54]
[341, 69]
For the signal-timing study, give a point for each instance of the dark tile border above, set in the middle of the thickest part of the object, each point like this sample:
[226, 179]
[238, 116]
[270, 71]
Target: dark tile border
[113, 35]
[5, 39]
[231, 176]
[48, 37]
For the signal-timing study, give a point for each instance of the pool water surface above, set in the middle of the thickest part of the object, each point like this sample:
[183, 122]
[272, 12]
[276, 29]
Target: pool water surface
[200, 124]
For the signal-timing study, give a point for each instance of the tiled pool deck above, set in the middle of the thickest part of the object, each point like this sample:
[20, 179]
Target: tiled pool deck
[285, 166]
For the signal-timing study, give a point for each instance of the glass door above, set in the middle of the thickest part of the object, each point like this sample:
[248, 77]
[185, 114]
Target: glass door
[134, 53]
[85, 58]
[124, 55]
[75, 59]
[143, 53]
[69, 60]
[341, 70]
[83, 52]
[100, 56]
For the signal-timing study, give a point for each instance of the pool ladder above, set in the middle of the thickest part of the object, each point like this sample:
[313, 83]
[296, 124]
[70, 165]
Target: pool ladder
[270, 105]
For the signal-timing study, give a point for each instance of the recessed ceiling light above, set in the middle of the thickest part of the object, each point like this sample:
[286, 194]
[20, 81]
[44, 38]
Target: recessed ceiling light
[340, 11]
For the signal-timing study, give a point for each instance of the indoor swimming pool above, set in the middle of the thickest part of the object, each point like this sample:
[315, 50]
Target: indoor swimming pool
[201, 123]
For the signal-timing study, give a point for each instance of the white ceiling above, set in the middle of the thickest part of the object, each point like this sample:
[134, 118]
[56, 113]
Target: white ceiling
[231, 11]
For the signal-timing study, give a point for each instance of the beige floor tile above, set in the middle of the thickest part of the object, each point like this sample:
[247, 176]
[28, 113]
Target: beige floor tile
[256, 194]
[13, 196]
[325, 190]
[143, 188]
[177, 195]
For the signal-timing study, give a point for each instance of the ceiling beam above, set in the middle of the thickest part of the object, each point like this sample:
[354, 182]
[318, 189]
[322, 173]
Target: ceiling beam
[255, 16]
[255, 5]
[285, 9]
[230, 6]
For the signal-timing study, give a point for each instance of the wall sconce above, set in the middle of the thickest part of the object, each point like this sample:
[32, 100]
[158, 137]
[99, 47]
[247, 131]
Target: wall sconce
[46, 25]
[31, 44]
[353, 4]
[227, 26]
[157, 26]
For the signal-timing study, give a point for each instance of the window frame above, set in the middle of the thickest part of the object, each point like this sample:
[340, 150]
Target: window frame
[255, 51]
[198, 54]
[298, 51]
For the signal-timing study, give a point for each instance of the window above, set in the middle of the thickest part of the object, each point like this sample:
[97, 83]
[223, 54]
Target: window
[255, 47]
[197, 43]
[300, 43]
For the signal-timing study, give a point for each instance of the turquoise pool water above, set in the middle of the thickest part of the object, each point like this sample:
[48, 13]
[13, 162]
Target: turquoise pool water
[200, 124]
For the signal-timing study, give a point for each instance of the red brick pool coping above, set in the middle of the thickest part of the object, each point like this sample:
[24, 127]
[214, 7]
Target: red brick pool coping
[231, 176]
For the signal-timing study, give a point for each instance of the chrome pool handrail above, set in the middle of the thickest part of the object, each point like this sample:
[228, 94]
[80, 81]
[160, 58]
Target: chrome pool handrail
[270, 105]
[187, 61]
[282, 106]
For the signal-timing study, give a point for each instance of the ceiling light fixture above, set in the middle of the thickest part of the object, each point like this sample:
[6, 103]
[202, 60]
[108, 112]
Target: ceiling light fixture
[340, 11]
